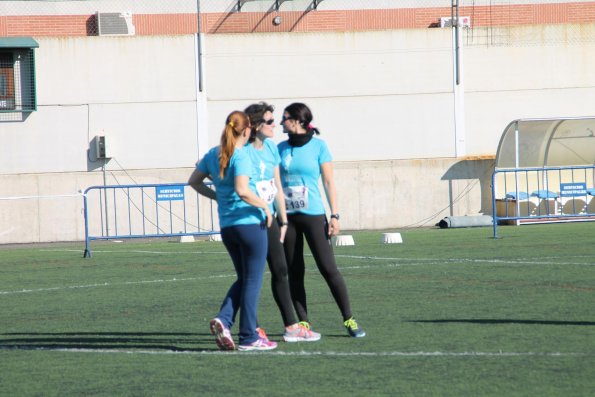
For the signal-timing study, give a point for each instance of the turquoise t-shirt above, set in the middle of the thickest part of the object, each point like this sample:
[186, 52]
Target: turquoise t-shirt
[264, 162]
[231, 208]
[300, 171]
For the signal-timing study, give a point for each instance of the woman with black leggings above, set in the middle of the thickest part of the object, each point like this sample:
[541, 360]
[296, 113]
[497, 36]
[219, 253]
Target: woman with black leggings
[304, 159]
[265, 159]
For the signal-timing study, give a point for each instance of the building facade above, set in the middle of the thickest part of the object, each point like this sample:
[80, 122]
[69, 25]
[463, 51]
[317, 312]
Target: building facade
[411, 108]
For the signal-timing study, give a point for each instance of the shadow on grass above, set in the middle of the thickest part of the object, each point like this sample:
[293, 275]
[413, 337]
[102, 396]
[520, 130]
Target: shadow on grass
[504, 321]
[160, 341]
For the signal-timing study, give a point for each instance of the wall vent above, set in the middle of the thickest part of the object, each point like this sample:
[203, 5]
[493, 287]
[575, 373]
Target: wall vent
[115, 24]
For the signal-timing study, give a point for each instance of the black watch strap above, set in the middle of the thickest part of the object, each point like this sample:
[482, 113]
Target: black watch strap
[336, 216]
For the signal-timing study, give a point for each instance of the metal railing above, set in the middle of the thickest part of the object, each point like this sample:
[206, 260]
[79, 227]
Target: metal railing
[146, 211]
[544, 194]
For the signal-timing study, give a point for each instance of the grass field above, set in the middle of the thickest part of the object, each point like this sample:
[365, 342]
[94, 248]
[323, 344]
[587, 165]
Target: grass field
[450, 312]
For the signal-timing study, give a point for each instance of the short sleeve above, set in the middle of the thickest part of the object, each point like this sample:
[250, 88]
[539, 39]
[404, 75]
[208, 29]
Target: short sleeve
[202, 165]
[325, 155]
[242, 164]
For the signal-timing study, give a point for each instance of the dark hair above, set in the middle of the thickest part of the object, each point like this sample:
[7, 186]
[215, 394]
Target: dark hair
[302, 114]
[235, 124]
[256, 113]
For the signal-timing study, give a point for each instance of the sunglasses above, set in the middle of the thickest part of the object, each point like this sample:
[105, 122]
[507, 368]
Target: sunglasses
[284, 119]
[269, 122]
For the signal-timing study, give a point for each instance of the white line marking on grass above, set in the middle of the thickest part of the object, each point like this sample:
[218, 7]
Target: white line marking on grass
[175, 279]
[136, 251]
[432, 261]
[354, 267]
[106, 284]
[304, 353]
[425, 261]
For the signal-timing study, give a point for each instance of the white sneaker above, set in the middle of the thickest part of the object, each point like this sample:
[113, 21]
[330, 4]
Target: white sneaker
[300, 333]
[222, 335]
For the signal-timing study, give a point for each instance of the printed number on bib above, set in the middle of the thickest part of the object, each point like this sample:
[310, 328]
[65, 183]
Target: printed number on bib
[296, 198]
[267, 190]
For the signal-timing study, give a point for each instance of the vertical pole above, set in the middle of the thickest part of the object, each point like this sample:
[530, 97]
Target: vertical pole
[458, 86]
[105, 199]
[516, 172]
[201, 105]
[87, 253]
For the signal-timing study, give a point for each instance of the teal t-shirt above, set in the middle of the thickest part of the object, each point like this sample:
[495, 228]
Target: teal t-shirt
[264, 161]
[231, 208]
[300, 172]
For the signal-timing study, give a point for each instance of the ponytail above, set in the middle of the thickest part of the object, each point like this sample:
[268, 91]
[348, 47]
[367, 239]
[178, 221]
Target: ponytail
[303, 115]
[235, 125]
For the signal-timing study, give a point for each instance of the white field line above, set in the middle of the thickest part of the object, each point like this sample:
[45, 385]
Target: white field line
[467, 260]
[522, 261]
[106, 284]
[136, 251]
[304, 353]
[408, 262]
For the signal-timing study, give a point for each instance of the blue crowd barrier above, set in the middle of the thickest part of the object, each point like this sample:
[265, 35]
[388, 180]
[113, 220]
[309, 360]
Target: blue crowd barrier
[146, 211]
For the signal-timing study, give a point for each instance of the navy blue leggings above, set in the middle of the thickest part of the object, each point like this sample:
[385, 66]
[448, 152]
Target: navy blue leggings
[247, 246]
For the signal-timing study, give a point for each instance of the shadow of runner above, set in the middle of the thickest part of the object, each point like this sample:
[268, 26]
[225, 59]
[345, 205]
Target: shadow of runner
[107, 341]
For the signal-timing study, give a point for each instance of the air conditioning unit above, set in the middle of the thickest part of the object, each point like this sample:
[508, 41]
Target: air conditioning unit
[115, 24]
[447, 22]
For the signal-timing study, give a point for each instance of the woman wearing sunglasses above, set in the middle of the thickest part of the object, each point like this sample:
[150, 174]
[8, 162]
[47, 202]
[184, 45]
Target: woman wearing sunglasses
[243, 218]
[265, 159]
[304, 159]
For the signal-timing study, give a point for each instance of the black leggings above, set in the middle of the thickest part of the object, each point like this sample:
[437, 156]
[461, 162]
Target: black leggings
[315, 229]
[279, 278]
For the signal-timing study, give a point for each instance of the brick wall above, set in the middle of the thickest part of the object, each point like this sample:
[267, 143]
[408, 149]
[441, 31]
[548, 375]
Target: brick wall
[297, 21]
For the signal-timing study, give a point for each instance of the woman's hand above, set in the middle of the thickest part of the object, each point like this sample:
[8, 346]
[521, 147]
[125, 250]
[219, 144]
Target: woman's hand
[267, 212]
[282, 231]
[333, 227]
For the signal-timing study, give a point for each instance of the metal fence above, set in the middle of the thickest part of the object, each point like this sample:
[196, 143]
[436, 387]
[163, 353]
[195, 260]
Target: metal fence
[546, 194]
[115, 212]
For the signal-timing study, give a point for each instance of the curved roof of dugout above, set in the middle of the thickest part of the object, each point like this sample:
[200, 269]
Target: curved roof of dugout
[556, 142]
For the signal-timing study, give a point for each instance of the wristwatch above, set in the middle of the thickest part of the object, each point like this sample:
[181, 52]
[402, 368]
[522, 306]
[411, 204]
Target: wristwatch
[336, 216]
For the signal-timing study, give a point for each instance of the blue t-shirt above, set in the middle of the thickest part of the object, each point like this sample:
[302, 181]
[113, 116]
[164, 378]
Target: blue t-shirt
[264, 162]
[231, 208]
[300, 171]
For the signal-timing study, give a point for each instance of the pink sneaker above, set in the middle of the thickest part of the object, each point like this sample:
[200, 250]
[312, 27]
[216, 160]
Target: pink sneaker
[258, 344]
[261, 333]
[222, 335]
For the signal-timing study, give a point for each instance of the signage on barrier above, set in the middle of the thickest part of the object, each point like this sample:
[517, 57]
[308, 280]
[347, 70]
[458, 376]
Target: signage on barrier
[169, 193]
[573, 189]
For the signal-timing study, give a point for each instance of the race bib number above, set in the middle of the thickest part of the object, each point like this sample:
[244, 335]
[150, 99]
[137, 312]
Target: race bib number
[296, 198]
[267, 190]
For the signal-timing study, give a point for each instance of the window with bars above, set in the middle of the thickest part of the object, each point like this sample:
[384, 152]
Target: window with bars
[17, 75]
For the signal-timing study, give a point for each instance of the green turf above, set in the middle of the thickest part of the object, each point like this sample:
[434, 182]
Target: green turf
[448, 313]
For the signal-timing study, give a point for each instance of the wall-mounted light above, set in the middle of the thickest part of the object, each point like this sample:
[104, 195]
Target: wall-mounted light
[277, 20]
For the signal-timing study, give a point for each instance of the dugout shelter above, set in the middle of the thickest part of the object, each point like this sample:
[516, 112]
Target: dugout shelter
[544, 171]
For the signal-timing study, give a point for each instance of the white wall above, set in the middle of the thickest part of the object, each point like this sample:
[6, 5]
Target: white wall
[383, 101]
[138, 92]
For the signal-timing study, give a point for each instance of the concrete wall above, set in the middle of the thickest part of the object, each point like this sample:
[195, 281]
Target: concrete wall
[383, 101]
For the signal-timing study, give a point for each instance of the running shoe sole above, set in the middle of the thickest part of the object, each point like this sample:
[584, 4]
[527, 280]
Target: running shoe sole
[268, 345]
[225, 342]
[301, 338]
